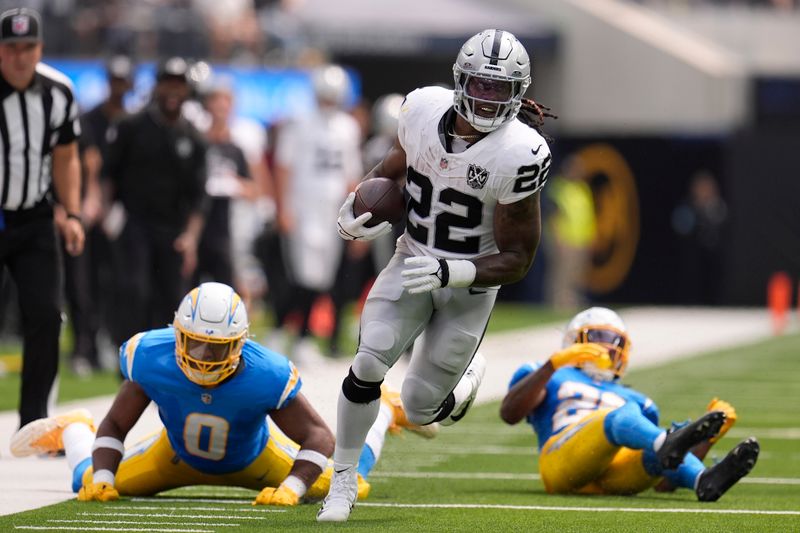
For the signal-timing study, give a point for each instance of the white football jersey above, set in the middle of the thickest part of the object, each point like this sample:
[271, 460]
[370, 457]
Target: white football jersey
[453, 195]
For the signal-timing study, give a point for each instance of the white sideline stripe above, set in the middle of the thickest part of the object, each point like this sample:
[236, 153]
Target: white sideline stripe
[165, 515]
[766, 433]
[533, 477]
[203, 500]
[67, 528]
[528, 451]
[214, 524]
[185, 508]
[565, 508]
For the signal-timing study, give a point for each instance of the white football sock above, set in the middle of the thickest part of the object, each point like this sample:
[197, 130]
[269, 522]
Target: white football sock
[78, 440]
[659, 441]
[377, 433]
[353, 422]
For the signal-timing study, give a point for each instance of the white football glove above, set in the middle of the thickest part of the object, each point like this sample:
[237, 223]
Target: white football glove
[351, 228]
[428, 273]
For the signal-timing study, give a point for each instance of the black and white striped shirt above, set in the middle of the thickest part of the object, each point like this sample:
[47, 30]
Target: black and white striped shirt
[32, 122]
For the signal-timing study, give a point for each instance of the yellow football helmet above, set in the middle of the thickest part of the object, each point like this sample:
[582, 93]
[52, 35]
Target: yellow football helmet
[210, 330]
[602, 326]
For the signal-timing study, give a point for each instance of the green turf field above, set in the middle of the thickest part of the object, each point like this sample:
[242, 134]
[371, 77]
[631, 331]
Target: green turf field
[480, 475]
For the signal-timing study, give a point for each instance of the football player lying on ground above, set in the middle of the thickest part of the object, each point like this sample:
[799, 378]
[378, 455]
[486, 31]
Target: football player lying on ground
[597, 436]
[213, 388]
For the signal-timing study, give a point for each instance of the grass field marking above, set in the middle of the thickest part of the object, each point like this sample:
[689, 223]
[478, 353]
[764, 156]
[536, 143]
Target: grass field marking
[249, 509]
[84, 528]
[135, 522]
[200, 500]
[580, 509]
[535, 477]
[766, 433]
[164, 515]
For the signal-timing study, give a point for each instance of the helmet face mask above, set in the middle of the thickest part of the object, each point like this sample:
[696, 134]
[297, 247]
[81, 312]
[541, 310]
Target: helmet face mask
[601, 326]
[491, 74]
[210, 331]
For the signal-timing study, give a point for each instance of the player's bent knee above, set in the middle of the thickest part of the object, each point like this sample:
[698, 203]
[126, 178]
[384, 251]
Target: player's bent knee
[420, 401]
[359, 391]
[367, 367]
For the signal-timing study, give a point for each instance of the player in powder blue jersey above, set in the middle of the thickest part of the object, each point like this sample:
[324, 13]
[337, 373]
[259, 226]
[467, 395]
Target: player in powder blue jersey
[214, 389]
[597, 436]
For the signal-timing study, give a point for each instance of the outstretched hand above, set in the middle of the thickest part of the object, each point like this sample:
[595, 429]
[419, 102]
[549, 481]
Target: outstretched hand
[583, 352]
[282, 496]
[98, 492]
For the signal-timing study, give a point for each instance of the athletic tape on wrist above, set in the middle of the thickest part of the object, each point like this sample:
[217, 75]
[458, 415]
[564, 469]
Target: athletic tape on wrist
[312, 456]
[103, 476]
[461, 273]
[295, 484]
[108, 442]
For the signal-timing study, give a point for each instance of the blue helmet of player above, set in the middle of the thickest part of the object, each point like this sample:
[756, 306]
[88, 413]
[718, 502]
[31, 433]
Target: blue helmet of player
[602, 326]
[210, 330]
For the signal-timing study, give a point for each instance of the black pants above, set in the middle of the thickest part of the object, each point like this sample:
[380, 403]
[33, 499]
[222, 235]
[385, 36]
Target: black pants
[148, 278]
[30, 252]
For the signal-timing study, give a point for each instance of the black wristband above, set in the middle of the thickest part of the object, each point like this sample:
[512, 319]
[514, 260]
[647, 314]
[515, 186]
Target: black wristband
[76, 217]
[444, 272]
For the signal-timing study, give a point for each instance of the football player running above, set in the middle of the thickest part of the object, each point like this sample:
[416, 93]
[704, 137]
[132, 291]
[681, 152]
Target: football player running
[597, 436]
[214, 388]
[475, 161]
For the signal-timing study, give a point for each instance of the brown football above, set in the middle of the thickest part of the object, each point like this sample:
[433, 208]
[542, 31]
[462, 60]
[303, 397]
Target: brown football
[383, 198]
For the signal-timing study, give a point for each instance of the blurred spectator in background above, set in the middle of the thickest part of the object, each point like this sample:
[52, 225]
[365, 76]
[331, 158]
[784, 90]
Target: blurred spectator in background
[88, 282]
[156, 165]
[232, 27]
[228, 178]
[572, 229]
[318, 160]
[700, 220]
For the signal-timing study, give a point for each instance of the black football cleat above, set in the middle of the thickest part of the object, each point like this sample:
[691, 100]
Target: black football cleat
[716, 480]
[679, 441]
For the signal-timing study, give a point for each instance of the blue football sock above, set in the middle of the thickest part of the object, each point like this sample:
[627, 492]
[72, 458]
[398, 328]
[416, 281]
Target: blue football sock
[77, 474]
[627, 426]
[686, 474]
[366, 462]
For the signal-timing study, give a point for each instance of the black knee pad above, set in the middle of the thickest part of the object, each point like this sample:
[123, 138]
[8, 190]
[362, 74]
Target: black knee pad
[360, 391]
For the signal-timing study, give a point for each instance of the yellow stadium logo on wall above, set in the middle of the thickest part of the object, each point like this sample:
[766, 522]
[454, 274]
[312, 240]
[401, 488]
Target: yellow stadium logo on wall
[617, 211]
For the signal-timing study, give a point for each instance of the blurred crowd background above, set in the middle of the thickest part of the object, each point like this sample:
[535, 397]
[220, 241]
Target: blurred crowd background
[675, 176]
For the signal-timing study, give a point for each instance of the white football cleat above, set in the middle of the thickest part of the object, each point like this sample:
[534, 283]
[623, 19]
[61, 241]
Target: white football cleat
[466, 389]
[338, 504]
[43, 436]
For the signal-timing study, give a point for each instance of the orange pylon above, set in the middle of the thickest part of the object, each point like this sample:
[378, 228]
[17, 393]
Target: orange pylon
[779, 299]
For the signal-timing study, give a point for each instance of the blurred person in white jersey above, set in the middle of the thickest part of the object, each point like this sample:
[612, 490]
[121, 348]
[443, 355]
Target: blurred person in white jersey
[475, 162]
[317, 161]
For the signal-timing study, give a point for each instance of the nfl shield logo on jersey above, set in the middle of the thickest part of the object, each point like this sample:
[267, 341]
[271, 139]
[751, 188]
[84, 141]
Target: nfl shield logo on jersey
[20, 24]
[477, 176]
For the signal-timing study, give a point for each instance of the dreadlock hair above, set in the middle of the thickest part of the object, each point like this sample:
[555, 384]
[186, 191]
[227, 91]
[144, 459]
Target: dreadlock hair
[533, 114]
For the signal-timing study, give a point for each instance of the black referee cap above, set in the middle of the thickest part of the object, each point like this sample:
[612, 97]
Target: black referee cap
[20, 24]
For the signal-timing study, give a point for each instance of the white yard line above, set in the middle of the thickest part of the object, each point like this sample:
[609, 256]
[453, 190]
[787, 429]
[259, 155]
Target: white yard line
[577, 509]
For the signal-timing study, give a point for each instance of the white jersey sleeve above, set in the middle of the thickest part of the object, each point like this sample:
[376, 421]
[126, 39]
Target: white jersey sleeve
[525, 164]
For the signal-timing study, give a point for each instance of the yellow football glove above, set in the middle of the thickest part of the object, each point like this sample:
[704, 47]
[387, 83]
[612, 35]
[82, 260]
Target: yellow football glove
[283, 496]
[98, 492]
[585, 352]
[730, 417]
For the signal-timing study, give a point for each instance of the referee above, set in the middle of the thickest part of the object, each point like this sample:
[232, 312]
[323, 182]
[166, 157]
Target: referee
[38, 152]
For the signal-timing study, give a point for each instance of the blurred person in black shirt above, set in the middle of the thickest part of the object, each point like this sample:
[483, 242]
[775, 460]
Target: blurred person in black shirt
[228, 177]
[88, 277]
[156, 167]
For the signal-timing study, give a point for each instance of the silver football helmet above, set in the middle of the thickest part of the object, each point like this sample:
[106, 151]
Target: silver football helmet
[491, 73]
[386, 113]
[331, 84]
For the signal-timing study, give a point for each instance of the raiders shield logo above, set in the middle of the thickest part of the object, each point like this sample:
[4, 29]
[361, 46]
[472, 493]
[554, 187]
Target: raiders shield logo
[477, 176]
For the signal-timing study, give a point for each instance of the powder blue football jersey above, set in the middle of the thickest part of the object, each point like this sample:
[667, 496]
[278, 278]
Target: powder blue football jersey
[216, 429]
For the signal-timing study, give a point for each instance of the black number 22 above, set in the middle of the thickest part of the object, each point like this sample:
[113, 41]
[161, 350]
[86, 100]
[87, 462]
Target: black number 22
[447, 220]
